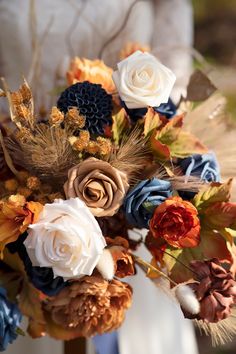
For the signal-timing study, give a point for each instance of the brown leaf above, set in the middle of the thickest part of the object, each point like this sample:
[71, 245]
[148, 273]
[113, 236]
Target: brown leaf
[200, 87]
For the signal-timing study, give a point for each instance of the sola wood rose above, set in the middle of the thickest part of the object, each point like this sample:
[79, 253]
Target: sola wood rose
[66, 238]
[89, 306]
[142, 81]
[176, 221]
[101, 186]
[94, 71]
[215, 289]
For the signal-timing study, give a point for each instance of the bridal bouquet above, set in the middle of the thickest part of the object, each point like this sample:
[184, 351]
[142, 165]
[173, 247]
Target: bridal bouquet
[78, 186]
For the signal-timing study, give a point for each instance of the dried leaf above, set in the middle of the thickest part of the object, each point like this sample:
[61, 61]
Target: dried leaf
[186, 145]
[221, 215]
[151, 121]
[170, 132]
[217, 192]
[160, 150]
[120, 123]
[200, 87]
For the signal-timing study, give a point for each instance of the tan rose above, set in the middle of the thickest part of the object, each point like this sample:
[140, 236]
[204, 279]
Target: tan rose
[101, 186]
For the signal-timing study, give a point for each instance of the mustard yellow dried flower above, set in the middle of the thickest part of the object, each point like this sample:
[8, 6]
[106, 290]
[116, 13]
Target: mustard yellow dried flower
[33, 183]
[74, 119]
[56, 116]
[104, 146]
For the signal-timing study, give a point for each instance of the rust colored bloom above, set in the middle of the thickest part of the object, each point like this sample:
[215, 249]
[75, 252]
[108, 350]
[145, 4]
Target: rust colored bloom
[94, 71]
[123, 261]
[215, 290]
[15, 216]
[89, 306]
[99, 185]
[176, 221]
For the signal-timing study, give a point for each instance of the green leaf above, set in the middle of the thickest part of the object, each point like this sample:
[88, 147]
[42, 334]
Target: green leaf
[186, 145]
[120, 123]
[217, 192]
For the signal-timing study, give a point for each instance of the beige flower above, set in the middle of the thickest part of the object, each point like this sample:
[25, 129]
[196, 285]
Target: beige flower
[89, 306]
[101, 186]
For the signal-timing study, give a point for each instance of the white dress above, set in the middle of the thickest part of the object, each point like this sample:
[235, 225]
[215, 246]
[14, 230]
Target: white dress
[36, 40]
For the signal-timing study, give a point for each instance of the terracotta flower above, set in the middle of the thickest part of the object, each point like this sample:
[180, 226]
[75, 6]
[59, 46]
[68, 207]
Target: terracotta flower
[90, 306]
[215, 290]
[176, 221]
[101, 186]
[94, 71]
[123, 261]
[15, 216]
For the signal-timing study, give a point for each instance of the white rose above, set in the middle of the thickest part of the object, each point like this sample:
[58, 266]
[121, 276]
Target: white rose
[142, 80]
[66, 238]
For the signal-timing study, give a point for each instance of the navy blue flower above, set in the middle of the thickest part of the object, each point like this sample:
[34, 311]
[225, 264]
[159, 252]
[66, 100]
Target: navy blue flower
[92, 101]
[166, 109]
[203, 166]
[10, 318]
[142, 200]
[41, 277]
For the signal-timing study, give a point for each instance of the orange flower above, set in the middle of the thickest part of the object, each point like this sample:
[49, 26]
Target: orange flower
[176, 221]
[94, 71]
[132, 47]
[15, 216]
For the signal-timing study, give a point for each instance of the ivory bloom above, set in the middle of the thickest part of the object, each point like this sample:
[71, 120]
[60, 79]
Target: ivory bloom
[66, 238]
[142, 80]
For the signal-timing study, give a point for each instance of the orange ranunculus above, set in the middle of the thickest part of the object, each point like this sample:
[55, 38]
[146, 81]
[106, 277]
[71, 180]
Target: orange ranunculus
[94, 71]
[15, 216]
[176, 221]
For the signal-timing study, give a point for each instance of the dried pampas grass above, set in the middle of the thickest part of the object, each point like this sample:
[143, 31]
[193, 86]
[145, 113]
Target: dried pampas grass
[132, 156]
[45, 153]
[221, 332]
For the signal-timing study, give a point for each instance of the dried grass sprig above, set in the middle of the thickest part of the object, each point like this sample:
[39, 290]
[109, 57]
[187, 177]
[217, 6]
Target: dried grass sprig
[221, 332]
[47, 153]
[132, 157]
[188, 184]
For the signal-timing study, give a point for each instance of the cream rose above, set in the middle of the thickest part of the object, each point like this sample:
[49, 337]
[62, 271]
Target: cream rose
[142, 80]
[101, 186]
[66, 238]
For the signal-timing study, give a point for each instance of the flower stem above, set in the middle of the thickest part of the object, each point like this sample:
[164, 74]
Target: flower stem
[20, 331]
[183, 264]
[147, 265]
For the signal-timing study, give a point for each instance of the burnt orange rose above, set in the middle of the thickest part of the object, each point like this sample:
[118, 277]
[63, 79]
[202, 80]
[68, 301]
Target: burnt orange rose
[15, 216]
[94, 71]
[176, 221]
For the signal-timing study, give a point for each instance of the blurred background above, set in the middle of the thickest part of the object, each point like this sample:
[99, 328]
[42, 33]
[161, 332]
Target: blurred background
[215, 39]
